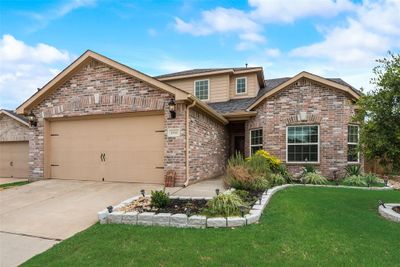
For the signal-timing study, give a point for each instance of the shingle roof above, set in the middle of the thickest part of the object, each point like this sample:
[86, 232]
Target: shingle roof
[242, 104]
[12, 112]
[199, 71]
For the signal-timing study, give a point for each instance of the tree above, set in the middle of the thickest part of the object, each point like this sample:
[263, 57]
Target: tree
[379, 115]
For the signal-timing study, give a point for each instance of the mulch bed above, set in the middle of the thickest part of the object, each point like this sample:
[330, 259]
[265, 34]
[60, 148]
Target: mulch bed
[193, 206]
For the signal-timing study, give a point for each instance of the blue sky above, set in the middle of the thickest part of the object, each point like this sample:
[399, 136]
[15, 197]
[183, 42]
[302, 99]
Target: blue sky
[332, 38]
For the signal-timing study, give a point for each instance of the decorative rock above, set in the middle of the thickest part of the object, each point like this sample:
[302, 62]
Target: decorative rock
[145, 218]
[185, 198]
[103, 215]
[216, 222]
[197, 221]
[130, 217]
[161, 219]
[178, 220]
[236, 221]
[115, 217]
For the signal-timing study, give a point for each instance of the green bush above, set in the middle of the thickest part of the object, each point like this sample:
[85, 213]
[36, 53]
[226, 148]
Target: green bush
[285, 173]
[159, 199]
[276, 179]
[258, 184]
[353, 170]
[258, 165]
[243, 194]
[236, 160]
[355, 180]
[308, 169]
[226, 204]
[314, 178]
[370, 179]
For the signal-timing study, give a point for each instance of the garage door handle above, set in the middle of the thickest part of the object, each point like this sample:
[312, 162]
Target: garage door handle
[11, 163]
[103, 156]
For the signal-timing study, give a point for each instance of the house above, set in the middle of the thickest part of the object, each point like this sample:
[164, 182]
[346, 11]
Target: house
[14, 146]
[101, 120]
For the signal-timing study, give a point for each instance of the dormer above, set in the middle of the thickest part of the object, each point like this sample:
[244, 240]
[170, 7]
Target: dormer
[218, 85]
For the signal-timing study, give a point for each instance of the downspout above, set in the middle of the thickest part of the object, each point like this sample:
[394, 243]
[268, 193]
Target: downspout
[187, 141]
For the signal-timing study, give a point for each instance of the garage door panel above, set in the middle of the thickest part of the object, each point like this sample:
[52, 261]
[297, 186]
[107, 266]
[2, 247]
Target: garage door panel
[14, 158]
[132, 146]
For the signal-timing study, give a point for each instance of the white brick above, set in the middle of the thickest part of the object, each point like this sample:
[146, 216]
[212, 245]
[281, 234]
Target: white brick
[130, 218]
[115, 217]
[252, 218]
[235, 221]
[161, 219]
[145, 218]
[178, 220]
[197, 221]
[216, 222]
[103, 216]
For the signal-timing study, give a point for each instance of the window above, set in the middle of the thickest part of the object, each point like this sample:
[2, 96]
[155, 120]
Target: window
[202, 89]
[302, 143]
[352, 143]
[256, 140]
[241, 85]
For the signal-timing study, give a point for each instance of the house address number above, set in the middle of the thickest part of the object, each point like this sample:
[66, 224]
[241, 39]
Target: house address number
[173, 132]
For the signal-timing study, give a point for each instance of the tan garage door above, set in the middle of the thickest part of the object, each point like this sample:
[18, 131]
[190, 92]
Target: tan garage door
[125, 149]
[14, 158]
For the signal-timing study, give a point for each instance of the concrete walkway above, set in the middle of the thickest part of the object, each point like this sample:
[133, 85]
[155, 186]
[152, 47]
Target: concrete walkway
[204, 188]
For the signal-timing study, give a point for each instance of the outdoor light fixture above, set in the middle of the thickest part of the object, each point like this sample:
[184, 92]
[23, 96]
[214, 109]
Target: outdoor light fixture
[217, 191]
[172, 108]
[242, 210]
[142, 192]
[32, 119]
[110, 209]
[335, 178]
[381, 203]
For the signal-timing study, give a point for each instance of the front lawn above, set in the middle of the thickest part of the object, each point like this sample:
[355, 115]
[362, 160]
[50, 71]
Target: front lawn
[9, 185]
[302, 226]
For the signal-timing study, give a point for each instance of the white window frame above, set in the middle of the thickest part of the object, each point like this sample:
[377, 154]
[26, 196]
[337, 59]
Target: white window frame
[262, 143]
[352, 143]
[209, 88]
[287, 145]
[245, 85]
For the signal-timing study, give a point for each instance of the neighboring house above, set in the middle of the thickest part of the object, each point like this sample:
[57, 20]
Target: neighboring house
[14, 146]
[101, 120]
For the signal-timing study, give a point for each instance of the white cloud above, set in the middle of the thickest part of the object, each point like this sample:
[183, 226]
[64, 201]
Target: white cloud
[273, 52]
[24, 68]
[275, 11]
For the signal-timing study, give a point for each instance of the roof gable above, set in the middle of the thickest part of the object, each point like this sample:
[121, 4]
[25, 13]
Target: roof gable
[20, 119]
[328, 82]
[81, 61]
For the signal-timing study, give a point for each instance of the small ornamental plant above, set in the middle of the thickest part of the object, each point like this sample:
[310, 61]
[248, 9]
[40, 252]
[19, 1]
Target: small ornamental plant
[159, 199]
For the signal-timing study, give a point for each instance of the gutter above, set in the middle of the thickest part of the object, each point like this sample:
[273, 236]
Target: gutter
[187, 141]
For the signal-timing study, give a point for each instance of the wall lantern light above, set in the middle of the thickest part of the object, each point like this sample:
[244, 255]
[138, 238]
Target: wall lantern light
[32, 119]
[172, 108]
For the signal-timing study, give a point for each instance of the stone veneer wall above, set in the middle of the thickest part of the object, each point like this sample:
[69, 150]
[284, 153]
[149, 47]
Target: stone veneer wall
[209, 146]
[12, 130]
[98, 89]
[329, 108]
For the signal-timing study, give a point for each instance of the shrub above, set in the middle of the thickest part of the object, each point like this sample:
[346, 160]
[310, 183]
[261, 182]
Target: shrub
[308, 169]
[276, 179]
[258, 165]
[259, 183]
[243, 194]
[285, 173]
[370, 179]
[226, 204]
[271, 160]
[159, 199]
[355, 180]
[237, 176]
[353, 170]
[236, 160]
[314, 178]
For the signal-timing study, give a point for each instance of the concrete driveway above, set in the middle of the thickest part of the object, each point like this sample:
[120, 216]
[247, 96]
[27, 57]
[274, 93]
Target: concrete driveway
[36, 216]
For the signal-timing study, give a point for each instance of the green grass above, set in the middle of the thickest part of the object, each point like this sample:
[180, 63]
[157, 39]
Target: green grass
[5, 186]
[302, 226]
[379, 184]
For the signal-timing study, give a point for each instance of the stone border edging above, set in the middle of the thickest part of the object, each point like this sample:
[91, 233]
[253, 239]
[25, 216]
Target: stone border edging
[388, 212]
[199, 221]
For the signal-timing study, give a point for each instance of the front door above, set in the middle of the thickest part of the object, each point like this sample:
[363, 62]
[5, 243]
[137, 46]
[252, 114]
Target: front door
[238, 146]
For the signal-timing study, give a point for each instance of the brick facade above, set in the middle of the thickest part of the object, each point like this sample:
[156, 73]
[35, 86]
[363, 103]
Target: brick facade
[329, 108]
[12, 130]
[98, 89]
[209, 146]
